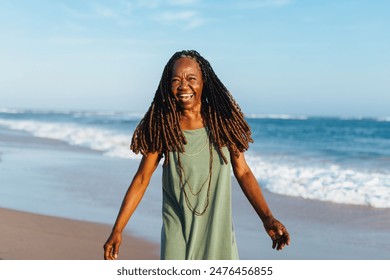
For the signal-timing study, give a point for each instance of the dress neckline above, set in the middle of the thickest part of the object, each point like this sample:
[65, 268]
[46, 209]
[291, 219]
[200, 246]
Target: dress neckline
[194, 131]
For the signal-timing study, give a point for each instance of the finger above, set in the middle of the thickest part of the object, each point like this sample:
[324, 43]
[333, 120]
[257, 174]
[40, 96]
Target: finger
[277, 243]
[116, 250]
[107, 252]
[287, 236]
[274, 243]
[284, 241]
[281, 245]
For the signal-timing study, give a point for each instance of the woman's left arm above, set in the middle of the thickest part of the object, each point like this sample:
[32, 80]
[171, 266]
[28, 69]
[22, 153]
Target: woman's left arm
[251, 188]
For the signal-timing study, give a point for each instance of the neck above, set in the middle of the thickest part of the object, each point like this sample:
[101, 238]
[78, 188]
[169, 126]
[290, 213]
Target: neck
[191, 119]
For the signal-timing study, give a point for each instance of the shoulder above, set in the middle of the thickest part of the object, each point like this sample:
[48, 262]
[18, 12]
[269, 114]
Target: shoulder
[149, 162]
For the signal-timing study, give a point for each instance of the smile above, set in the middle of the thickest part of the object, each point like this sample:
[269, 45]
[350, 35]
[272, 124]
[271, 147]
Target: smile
[185, 97]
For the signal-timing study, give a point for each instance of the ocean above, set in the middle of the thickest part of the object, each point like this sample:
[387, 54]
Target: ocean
[340, 160]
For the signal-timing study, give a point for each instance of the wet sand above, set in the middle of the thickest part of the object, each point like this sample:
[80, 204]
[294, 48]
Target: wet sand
[26, 236]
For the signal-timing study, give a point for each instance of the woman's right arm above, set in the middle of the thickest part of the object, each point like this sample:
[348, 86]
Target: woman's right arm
[130, 202]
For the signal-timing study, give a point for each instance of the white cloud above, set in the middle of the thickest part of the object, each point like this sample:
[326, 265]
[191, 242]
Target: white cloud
[119, 13]
[153, 4]
[279, 2]
[186, 19]
[182, 13]
[100, 11]
[180, 16]
[175, 12]
[103, 12]
[182, 2]
[61, 40]
[250, 4]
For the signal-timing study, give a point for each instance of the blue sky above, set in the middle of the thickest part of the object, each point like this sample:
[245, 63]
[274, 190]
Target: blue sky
[275, 56]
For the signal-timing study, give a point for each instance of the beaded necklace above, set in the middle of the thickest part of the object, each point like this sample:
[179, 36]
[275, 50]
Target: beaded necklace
[184, 182]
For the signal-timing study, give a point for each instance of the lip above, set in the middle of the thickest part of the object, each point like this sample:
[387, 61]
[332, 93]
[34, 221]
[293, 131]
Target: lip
[185, 97]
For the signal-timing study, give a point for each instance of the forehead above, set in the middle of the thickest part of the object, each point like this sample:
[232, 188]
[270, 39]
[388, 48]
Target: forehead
[186, 65]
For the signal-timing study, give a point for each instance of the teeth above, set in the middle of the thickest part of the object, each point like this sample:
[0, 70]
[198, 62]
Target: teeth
[186, 96]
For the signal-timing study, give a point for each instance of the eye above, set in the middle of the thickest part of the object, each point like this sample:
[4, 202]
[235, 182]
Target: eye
[175, 80]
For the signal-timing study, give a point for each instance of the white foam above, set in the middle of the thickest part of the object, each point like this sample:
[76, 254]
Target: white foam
[275, 116]
[384, 119]
[321, 182]
[75, 113]
[110, 143]
[110, 114]
[328, 183]
[10, 111]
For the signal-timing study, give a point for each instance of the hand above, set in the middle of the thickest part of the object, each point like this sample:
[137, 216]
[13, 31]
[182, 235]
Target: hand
[111, 247]
[278, 233]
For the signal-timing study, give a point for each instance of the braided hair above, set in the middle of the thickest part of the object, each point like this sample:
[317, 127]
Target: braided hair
[159, 130]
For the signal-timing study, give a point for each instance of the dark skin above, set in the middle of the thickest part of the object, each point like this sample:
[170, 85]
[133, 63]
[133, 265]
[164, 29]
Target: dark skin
[187, 86]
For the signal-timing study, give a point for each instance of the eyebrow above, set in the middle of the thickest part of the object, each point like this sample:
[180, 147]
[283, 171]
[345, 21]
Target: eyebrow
[190, 74]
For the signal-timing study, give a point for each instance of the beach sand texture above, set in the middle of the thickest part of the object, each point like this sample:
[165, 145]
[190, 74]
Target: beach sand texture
[38, 237]
[319, 230]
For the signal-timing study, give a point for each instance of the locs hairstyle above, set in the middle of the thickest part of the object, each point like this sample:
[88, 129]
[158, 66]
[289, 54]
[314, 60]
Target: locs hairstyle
[159, 130]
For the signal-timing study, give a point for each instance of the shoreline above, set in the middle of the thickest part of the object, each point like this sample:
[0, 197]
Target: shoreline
[46, 176]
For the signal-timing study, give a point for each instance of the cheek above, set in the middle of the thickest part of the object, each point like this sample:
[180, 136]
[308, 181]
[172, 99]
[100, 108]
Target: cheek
[173, 89]
[199, 89]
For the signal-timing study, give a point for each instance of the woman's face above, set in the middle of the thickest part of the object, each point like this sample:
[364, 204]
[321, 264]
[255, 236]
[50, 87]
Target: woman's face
[187, 83]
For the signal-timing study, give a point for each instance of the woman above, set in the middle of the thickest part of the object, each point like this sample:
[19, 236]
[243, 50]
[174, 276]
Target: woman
[198, 128]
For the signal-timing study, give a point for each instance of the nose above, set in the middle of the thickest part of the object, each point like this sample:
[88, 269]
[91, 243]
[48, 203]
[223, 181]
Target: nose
[183, 84]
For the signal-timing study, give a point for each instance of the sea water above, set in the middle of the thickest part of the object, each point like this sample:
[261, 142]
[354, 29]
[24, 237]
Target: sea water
[332, 159]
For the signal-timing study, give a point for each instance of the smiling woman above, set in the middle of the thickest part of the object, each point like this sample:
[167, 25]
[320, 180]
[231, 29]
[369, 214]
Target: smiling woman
[194, 123]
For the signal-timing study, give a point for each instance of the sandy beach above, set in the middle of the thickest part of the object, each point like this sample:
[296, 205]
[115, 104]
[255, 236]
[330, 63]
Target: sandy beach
[26, 236]
[49, 178]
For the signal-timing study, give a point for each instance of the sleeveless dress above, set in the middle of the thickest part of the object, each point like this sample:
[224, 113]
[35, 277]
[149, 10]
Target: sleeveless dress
[185, 235]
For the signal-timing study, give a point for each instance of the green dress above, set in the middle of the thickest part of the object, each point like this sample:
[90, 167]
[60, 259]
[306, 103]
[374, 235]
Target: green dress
[188, 236]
